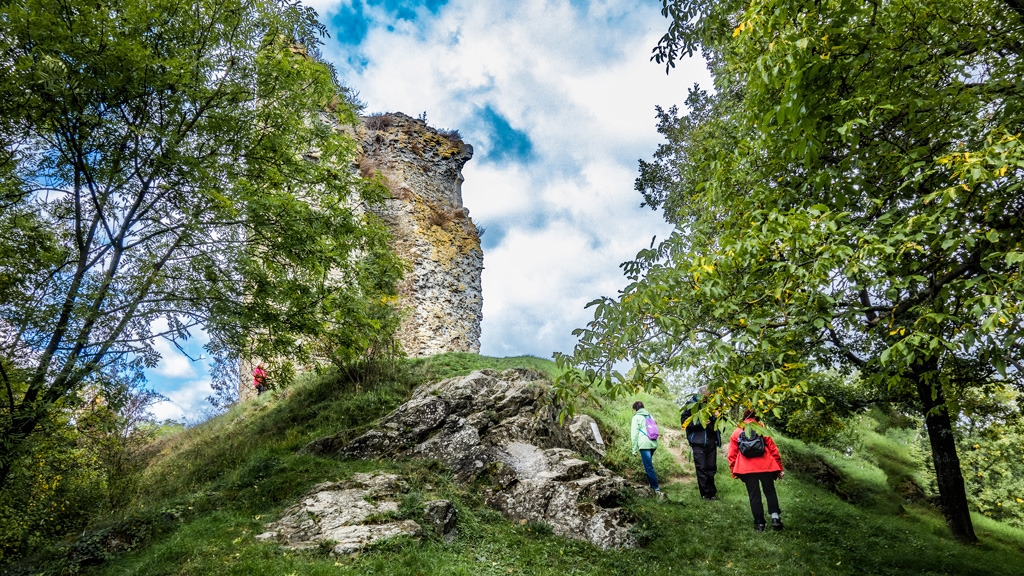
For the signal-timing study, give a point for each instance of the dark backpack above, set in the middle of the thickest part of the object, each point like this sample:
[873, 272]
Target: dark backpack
[750, 443]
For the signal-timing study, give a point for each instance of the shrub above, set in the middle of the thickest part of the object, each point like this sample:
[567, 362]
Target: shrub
[440, 217]
[367, 167]
[52, 492]
[452, 136]
[992, 461]
[379, 121]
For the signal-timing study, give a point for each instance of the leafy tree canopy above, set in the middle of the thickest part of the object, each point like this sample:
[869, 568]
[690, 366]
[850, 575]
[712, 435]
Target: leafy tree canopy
[848, 198]
[171, 165]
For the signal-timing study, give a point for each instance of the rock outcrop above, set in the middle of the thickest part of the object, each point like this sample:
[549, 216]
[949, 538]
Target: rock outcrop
[494, 429]
[353, 515]
[432, 230]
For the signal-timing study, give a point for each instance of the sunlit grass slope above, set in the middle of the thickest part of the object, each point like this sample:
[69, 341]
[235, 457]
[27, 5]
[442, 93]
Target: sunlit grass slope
[210, 489]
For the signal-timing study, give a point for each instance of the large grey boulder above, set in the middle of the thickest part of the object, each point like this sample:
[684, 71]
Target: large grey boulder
[495, 428]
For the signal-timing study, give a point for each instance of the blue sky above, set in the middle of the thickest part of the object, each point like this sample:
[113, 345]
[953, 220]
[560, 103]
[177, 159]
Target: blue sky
[557, 98]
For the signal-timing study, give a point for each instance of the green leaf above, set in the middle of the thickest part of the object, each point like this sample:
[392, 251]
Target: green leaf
[1000, 365]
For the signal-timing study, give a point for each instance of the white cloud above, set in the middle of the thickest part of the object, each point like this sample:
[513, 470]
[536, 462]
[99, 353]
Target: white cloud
[322, 6]
[173, 364]
[184, 403]
[537, 281]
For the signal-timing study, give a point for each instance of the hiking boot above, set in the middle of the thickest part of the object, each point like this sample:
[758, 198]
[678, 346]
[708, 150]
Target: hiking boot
[776, 524]
[759, 527]
[710, 498]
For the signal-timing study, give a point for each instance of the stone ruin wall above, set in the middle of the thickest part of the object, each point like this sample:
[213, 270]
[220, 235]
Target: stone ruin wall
[441, 293]
[432, 230]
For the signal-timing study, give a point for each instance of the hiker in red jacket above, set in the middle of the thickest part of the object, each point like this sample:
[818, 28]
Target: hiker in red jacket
[259, 379]
[756, 470]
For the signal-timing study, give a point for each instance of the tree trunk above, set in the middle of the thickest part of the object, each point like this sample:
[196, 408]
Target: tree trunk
[952, 493]
[13, 441]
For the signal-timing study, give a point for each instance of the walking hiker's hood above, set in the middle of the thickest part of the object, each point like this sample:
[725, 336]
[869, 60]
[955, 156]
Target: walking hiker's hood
[698, 434]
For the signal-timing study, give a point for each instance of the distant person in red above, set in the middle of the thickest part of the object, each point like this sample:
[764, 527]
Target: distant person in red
[259, 379]
[755, 460]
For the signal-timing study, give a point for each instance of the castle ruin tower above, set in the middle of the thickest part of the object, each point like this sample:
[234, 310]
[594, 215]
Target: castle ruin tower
[440, 294]
[432, 230]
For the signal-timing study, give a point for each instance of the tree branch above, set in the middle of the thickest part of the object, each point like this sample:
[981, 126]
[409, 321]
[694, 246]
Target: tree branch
[869, 310]
[971, 263]
[1016, 5]
[7, 382]
[838, 342]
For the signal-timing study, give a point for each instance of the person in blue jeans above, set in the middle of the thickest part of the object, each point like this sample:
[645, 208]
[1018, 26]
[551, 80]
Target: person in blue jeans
[641, 443]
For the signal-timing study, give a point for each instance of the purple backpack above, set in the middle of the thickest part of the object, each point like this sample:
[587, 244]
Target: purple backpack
[651, 428]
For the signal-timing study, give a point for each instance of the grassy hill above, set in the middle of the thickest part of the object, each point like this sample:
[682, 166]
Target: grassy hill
[210, 489]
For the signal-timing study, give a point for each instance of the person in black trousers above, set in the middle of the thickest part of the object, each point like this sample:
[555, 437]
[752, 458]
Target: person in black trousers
[704, 442]
[758, 470]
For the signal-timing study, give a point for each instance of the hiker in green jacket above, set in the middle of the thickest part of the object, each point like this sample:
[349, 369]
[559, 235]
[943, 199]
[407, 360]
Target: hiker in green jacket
[645, 440]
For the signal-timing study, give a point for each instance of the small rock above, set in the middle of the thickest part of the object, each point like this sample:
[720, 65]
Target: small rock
[442, 516]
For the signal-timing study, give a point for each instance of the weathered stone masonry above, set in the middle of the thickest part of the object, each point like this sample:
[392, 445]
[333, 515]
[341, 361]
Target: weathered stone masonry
[432, 230]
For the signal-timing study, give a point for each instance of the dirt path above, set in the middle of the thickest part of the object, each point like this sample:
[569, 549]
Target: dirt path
[680, 451]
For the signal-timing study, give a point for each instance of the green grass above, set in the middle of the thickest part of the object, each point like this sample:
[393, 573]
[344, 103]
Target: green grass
[452, 364]
[211, 489]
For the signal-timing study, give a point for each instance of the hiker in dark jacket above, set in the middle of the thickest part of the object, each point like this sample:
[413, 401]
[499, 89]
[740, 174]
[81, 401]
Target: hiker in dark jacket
[704, 442]
[757, 472]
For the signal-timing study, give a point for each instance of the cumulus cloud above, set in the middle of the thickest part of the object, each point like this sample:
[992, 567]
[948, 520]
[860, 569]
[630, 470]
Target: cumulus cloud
[173, 364]
[184, 403]
[540, 276]
[182, 381]
[557, 98]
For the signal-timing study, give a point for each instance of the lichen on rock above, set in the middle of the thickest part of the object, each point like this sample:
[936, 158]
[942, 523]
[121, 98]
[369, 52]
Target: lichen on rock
[342, 513]
[432, 230]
